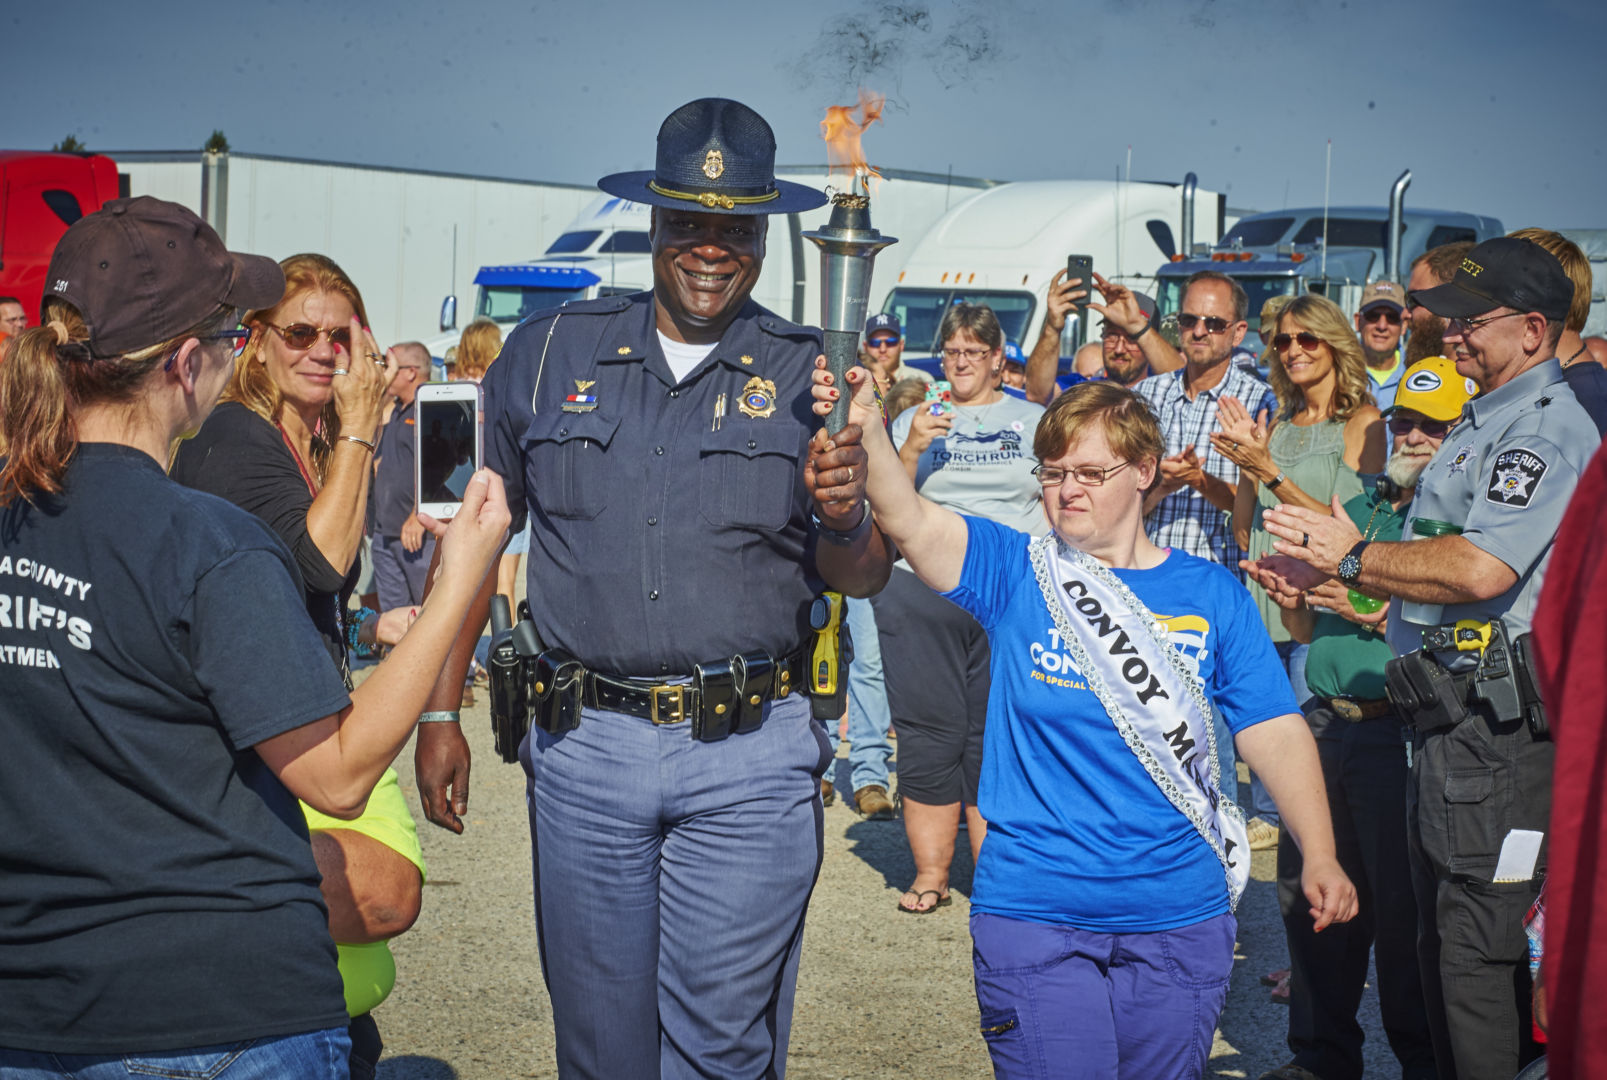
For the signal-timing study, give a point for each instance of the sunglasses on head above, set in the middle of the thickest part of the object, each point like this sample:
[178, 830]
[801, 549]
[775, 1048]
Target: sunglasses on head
[1400, 426]
[1384, 314]
[300, 336]
[1308, 341]
[1213, 325]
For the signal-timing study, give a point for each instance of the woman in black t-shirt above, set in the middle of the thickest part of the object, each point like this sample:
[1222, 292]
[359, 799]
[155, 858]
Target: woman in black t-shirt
[159, 904]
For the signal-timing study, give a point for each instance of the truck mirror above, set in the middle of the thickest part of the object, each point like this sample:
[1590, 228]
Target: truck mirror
[449, 313]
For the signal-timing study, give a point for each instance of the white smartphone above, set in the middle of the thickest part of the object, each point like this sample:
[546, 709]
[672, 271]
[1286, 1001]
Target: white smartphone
[446, 423]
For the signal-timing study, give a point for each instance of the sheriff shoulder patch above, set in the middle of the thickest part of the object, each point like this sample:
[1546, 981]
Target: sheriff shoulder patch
[1515, 478]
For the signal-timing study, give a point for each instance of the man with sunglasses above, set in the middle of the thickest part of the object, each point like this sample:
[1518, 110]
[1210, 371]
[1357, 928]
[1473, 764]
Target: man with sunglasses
[1188, 507]
[1379, 323]
[1481, 525]
[1358, 733]
[884, 352]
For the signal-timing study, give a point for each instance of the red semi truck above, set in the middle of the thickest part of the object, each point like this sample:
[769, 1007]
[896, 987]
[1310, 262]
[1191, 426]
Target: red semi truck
[40, 195]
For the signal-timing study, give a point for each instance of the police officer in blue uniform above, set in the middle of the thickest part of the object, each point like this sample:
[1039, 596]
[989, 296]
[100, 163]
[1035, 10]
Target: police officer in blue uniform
[686, 510]
[1475, 545]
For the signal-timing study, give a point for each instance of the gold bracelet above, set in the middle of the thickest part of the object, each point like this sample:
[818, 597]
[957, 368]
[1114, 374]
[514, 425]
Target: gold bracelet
[359, 442]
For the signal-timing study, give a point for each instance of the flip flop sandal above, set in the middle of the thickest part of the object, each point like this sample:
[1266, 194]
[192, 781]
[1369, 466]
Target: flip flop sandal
[942, 901]
[1280, 993]
[1273, 978]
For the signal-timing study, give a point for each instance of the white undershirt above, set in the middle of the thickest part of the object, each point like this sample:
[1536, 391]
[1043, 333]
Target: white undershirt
[683, 358]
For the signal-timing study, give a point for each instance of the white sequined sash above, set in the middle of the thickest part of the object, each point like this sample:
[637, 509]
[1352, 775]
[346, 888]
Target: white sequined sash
[1156, 704]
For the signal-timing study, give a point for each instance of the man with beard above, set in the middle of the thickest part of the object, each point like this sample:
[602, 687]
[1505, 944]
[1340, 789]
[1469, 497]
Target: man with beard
[1378, 326]
[1126, 337]
[1358, 735]
[1434, 267]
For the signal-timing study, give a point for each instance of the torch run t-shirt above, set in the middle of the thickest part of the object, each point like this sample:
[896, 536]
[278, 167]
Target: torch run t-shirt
[983, 466]
[157, 889]
[1078, 833]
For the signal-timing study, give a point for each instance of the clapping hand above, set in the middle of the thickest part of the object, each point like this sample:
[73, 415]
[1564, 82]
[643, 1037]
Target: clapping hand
[1318, 539]
[1242, 440]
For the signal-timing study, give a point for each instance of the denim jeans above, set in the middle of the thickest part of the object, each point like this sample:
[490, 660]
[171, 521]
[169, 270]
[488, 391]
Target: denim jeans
[1293, 655]
[312, 1055]
[868, 714]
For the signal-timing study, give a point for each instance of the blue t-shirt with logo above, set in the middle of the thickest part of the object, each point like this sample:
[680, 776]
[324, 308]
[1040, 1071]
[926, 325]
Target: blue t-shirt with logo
[1078, 833]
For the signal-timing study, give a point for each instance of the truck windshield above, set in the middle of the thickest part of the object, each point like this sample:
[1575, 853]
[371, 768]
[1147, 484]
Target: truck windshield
[921, 312]
[513, 303]
[1258, 289]
[1258, 232]
[571, 242]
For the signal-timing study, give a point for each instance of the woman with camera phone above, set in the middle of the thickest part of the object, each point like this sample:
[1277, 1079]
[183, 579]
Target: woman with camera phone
[160, 908]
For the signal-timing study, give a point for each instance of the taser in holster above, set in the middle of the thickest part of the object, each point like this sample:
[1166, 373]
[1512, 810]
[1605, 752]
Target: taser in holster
[512, 646]
[829, 660]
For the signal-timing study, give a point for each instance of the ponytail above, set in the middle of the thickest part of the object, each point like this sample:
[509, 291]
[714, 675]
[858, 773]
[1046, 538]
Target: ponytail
[49, 372]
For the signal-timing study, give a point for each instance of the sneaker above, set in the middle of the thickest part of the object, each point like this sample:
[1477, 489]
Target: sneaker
[1263, 834]
[828, 794]
[873, 803]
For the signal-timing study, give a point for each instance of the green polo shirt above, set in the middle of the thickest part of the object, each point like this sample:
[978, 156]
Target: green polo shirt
[1346, 659]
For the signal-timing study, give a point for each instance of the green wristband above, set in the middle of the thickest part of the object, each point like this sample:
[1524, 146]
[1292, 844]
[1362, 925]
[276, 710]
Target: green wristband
[442, 716]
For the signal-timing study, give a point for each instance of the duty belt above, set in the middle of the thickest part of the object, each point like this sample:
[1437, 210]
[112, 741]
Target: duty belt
[1356, 711]
[675, 702]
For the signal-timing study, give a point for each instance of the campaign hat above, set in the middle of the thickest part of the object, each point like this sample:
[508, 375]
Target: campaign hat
[1381, 293]
[142, 271]
[1433, 387]
[715, 156]
[1503, 272]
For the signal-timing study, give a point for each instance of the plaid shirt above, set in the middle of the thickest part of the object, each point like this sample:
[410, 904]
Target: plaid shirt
[1186, 519]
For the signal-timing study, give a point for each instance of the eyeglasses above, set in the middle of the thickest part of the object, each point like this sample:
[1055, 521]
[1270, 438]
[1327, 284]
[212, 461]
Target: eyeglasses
[972, 355]
[1401, 426]
[882, 342]
[1308, 341]
[1213, 325]
[1086, 475]
[1382, 314]
[238, 338]
[1470, 325]
[300, 336]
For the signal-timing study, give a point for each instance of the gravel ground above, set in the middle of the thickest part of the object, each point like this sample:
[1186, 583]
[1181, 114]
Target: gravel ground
[880, 994]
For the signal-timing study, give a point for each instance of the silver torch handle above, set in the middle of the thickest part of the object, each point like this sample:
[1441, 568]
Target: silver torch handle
[848, 246]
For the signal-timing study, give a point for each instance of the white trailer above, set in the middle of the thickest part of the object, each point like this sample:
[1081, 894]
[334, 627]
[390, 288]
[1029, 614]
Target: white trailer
[1002, 246]
[410, 237]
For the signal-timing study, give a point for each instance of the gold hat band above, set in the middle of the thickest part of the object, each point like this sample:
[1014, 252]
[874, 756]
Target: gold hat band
[712, 200]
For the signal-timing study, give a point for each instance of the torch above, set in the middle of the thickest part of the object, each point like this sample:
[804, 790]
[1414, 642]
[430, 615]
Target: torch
[848, 246]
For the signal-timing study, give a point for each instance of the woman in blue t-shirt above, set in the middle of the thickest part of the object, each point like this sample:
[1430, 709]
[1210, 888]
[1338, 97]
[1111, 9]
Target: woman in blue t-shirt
[1102, 911]
[167, 697]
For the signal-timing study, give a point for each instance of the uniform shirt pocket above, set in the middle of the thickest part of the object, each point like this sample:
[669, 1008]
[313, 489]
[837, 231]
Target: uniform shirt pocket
[565, 467]
[748, 474]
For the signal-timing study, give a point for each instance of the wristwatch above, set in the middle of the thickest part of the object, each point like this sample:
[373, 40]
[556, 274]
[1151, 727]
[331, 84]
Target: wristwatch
[844, 537]
[1350, 565]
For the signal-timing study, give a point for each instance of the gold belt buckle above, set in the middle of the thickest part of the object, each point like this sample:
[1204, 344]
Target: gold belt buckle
[1346, 708]
[677, 706]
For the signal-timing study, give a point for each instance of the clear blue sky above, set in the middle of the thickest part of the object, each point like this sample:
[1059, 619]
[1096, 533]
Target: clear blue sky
[1496, 107]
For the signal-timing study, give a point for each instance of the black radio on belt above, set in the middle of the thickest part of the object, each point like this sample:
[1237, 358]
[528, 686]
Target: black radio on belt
[1501, 687]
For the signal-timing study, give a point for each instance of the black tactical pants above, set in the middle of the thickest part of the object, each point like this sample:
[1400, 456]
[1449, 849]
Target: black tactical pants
[1472, 784]
[1364, 771]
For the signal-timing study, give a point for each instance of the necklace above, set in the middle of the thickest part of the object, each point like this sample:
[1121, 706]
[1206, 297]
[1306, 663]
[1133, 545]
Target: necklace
[300, 464]
[981, 414]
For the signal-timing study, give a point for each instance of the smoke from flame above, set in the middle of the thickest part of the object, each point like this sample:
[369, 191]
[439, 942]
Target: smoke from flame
[842, 128]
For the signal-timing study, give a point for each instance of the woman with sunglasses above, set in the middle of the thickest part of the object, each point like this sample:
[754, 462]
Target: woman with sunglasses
[160, 910]
[972, 454]
[1101, 915]
[1326, 432]
[293, 441]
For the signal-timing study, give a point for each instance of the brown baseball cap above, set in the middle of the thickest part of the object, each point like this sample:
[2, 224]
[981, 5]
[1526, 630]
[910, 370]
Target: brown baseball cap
[141, 271]
[1382, 292]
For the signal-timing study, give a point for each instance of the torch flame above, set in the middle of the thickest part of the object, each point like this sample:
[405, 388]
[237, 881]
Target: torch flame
[842, 130]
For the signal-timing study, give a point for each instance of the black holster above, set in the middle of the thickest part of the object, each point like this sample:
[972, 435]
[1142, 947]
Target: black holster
[508, 670]
[1425, 692]
[557, 684]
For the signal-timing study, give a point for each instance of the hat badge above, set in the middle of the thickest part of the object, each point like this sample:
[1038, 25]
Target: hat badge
[713, 164]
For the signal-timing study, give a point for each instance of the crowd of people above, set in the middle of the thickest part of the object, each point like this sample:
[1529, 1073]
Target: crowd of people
[1075, 607]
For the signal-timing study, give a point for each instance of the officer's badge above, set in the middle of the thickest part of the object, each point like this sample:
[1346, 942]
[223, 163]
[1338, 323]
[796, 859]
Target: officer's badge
[1459, 462]
[1515, 478]
[580, 401]
[758, 398]
[713, 164]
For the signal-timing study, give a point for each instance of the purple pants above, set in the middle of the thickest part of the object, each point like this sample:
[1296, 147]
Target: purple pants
[1065, 1003]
